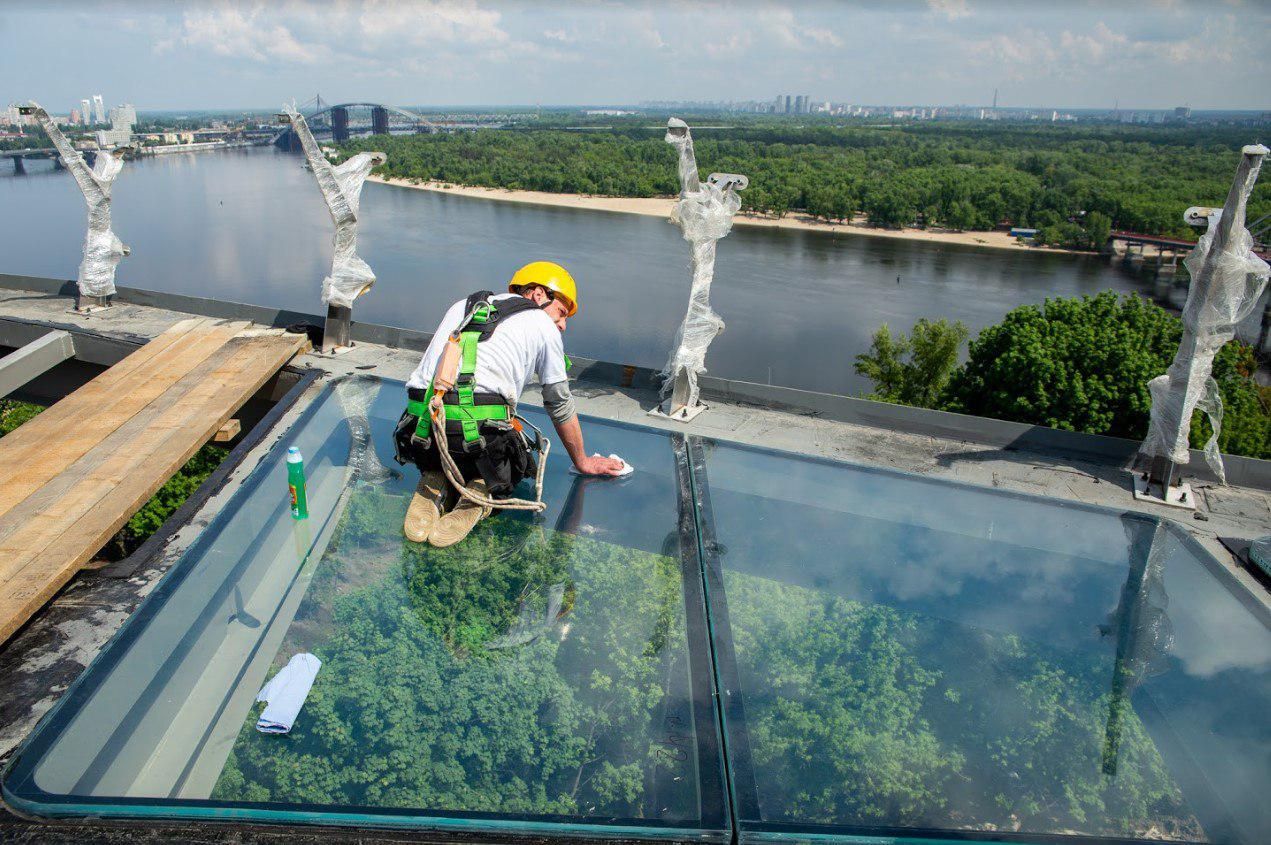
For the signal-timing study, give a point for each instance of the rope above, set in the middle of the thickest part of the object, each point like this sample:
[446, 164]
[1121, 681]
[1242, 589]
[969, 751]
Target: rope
[436, 410]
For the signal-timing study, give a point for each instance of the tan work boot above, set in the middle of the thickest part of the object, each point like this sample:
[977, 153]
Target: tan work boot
[457, 524]
[426, 506]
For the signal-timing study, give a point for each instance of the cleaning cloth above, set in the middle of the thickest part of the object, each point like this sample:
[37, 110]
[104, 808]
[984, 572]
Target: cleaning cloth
[626, 470]
[286, 693]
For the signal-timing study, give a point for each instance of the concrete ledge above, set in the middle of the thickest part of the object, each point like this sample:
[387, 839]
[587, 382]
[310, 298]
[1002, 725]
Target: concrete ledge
[1008, 436]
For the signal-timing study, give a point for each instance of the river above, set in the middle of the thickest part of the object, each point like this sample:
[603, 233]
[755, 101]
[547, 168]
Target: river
[250, 226]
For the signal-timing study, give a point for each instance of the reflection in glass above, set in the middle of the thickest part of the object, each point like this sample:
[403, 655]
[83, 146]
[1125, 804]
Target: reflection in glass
[917, 655]
[538, 673]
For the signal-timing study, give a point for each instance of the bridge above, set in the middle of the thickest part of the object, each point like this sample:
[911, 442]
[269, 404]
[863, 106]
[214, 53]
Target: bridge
[1177, 245]
[18, 156]
[342, 121]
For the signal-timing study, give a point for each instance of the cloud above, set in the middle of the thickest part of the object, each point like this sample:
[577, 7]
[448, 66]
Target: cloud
[782, 24]
[430, 21]
[244, 32]
[310, 32]
[949, 9]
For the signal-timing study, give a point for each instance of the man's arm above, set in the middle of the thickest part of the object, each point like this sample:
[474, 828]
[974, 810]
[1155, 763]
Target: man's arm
[559, 403]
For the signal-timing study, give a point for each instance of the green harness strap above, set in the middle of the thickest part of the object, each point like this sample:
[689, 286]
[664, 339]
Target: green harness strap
[467, 412]
[466, 383]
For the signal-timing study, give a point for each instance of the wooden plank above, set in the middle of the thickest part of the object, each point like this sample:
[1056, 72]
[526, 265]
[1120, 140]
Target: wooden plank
[24, 467]
[228, 432]
[62, 539]
[122, 441]
[123, 444]
[108, 391]
[108, 380]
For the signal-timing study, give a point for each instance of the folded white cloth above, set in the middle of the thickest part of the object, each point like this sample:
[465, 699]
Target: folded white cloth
[627, 469]
[286, 693]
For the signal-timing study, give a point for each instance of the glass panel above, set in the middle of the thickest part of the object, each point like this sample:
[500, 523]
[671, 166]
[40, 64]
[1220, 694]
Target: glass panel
[909, 657]
[549, 674]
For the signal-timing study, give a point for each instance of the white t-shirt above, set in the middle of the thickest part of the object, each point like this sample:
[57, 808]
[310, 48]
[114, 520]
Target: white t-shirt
[526, 344]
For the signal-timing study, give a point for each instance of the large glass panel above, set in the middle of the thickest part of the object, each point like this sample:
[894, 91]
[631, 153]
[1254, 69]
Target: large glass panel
[550, 674]
[906, 657]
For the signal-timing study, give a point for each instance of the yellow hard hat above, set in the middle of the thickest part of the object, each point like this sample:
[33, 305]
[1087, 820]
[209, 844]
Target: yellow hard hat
[551, 276]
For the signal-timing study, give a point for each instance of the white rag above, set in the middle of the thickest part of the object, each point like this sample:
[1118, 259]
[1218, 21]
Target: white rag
[286, 693]
[627, 469]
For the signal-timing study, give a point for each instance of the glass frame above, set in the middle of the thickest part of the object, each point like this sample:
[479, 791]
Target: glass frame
[21, 792]
[729, 801]
[743, 792]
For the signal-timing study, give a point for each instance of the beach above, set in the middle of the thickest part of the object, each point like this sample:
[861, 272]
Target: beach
[661, 207]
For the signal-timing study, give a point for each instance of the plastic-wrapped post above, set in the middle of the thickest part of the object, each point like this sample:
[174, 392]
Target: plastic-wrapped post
[1227, 279]
[704, 214]
[102, 248]
[342, 189]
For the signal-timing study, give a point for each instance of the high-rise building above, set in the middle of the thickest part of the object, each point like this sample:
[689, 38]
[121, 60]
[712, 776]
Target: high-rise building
[86, 112]
[787, 110]
[123, 116]
[75, 117]
[776, 105]
[99, 109]
[799, 104]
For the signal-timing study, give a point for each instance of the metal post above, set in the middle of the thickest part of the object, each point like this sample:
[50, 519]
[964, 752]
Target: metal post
[335, 333]
[89, 304]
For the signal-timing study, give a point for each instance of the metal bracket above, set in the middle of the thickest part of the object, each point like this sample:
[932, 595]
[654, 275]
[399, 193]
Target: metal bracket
[335, 333]
[90, 304]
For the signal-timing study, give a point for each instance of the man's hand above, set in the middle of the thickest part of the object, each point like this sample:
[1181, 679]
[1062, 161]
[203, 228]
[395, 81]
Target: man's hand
[596, 465]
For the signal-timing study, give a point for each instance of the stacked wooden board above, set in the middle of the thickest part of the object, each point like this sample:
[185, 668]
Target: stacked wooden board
[72, 476]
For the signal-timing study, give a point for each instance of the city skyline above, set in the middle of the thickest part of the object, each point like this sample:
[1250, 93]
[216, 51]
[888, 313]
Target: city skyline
[248, 55]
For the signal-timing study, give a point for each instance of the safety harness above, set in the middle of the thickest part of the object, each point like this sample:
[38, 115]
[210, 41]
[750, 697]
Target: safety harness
[454, 394]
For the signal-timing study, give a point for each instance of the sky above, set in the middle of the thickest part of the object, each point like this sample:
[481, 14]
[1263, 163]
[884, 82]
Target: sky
[214, 54]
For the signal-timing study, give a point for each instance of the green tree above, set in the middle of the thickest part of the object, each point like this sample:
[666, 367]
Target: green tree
[1083, 364]
[1098, 228]
[913, 370]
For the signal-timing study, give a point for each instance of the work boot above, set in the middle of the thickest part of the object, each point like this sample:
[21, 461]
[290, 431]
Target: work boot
[426, 506]
[457, 524]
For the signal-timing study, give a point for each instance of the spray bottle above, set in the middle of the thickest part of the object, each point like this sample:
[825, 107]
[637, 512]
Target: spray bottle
[296, 484]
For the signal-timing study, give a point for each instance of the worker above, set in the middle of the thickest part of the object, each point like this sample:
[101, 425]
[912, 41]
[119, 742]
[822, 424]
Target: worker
[502, 340]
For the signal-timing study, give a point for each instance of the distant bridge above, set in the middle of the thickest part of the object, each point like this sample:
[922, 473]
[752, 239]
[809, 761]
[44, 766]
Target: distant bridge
[18, 156]
[340, 122]
[1176, 245]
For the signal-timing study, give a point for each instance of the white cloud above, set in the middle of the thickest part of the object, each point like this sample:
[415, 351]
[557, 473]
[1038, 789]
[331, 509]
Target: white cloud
[782, 24]
[245, 31]
[310, 32]
[949, 9]
[430, 21]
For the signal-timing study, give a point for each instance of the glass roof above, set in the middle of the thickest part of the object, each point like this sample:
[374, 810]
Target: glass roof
[896, 656]
[911, 657]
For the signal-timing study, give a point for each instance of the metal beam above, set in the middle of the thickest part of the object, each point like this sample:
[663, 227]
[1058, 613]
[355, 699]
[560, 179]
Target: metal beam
[36, 358]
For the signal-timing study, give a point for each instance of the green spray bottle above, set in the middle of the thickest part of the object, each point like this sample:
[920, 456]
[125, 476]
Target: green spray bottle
[296, 484]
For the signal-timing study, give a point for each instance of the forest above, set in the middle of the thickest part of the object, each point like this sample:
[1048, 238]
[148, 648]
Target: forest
[1077, 364]
[436, 694]
[1074, 183]
[424, 702]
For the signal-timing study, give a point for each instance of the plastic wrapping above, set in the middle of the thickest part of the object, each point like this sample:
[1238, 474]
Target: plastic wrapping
[1227, 279]
[356, 395]
[704, 214]
[102, 248]
[342, 189]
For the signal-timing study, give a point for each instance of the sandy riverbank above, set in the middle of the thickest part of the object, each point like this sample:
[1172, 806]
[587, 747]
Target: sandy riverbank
[661, 207]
